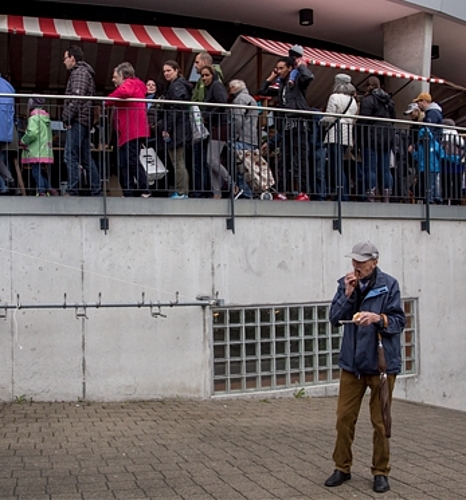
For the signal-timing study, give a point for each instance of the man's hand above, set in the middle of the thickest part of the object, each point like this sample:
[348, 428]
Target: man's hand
[367, 318]
[351, 282]
[272, 76]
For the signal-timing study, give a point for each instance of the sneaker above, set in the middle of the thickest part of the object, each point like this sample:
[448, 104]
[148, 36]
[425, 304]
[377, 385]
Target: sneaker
[53, 192]
[302, 197]
[176, 196]
[42, 194]
[146, 195]
[280, 197]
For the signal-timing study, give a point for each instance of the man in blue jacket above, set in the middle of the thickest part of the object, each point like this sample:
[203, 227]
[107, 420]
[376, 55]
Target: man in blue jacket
[369, 300]
[432, 113]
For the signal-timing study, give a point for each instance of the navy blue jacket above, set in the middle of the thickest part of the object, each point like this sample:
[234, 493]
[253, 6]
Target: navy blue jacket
[358, 352]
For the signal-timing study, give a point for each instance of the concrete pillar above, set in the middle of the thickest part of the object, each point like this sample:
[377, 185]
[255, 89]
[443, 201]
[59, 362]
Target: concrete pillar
[408, 45]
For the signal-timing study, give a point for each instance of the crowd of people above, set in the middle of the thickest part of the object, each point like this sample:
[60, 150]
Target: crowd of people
[353, 151]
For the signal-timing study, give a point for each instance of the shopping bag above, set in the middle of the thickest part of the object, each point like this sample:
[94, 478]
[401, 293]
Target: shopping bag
[255, 169]
[198, 128]
[153, 165]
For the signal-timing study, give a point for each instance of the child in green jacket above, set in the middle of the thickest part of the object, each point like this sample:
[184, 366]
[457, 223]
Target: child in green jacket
[37, 140]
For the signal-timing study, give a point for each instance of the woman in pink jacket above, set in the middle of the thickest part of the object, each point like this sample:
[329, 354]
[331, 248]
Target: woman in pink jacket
[132, 127]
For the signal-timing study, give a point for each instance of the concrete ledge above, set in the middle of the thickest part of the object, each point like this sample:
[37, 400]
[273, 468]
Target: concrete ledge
[87, 206]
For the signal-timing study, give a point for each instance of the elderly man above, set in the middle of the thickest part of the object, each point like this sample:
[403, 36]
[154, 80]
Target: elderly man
[368, 301]
[245, 121]
[77, 118]
[295, 146]
[245, 126]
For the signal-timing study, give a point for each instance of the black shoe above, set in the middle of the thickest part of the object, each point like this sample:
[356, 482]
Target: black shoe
[381, 484]
[338, 477]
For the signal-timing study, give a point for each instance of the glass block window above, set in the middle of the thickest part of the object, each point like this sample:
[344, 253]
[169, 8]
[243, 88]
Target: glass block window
[408, 339]
[284, 346]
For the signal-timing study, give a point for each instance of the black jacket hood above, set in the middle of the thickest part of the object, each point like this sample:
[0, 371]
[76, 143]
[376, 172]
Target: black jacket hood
[381, 96]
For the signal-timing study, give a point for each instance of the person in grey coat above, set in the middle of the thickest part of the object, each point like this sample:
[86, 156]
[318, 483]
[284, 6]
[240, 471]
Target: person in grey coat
[245, 121]
[245, 126]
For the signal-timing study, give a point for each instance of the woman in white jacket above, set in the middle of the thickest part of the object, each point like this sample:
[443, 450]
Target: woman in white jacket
[339, 134]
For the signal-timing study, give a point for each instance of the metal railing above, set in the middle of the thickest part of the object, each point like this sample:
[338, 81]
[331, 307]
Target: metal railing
[235, 152]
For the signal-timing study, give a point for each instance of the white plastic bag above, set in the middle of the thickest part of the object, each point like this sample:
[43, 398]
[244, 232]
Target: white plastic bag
[198, 128]
[152, 164]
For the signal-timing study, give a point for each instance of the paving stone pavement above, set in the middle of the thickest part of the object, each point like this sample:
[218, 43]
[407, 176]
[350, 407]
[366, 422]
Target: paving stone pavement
[228, 449]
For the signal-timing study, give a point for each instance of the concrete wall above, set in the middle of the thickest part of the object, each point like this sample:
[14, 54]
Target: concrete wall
[453, 8]
[281, 252]
[408, 45]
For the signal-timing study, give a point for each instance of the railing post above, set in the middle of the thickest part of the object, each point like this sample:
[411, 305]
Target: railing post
[426, 145]
[337, 223]
[104, 222]
[231, 152]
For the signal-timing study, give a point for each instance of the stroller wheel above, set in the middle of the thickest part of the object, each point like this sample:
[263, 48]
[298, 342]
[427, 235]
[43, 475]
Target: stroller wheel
[266, 196]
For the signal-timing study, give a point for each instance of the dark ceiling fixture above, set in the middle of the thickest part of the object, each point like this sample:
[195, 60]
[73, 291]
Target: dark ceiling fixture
[306, 17]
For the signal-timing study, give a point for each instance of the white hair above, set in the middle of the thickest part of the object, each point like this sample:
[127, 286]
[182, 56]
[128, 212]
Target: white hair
[237, 84]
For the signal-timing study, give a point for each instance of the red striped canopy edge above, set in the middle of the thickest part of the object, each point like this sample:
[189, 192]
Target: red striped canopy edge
[153, 37]
[330, 59]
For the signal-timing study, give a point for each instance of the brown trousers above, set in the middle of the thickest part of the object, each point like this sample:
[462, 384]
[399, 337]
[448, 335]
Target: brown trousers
[350, 397]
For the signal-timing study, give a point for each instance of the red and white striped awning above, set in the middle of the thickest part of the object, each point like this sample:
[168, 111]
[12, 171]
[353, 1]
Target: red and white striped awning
[330, 59]
[134, 35]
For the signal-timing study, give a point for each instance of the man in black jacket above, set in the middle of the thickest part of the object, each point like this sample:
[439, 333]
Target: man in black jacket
[295, 128]
[377, 138]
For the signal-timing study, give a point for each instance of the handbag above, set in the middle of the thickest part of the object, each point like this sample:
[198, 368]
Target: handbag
[199, 130]
[153, 165]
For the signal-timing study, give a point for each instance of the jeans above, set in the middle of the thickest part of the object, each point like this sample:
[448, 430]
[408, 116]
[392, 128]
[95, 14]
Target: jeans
[4, 170]
[295, 160]
[434, 186]
[374, 159]
[78, 154]
[42, 182]
[336, 153]
[201, 176]
[131, 173]
[317, 162]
